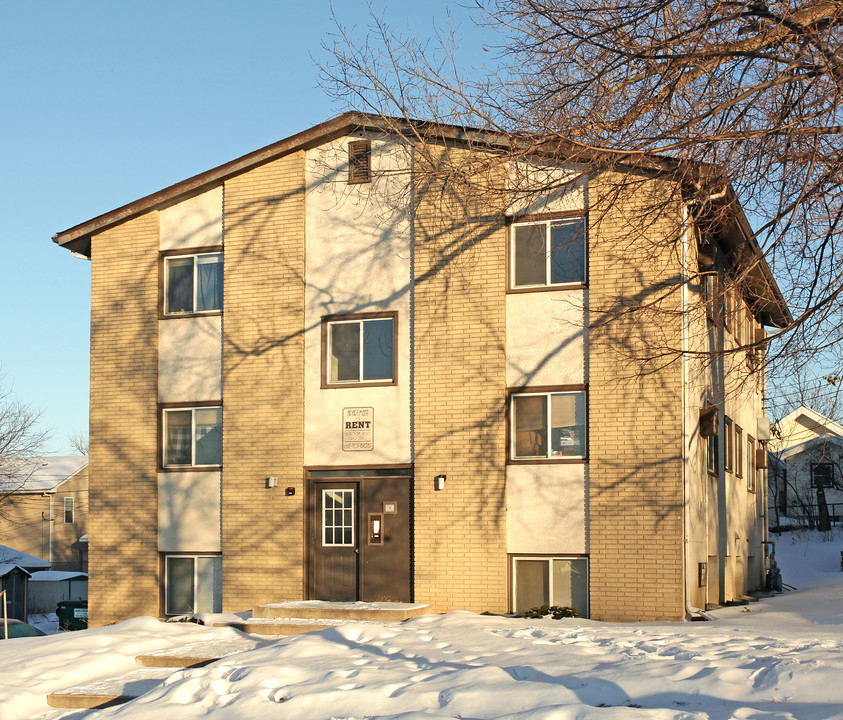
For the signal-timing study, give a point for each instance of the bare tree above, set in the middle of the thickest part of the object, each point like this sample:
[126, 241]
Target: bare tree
[737, 100]
[79, 442]
[21, 440]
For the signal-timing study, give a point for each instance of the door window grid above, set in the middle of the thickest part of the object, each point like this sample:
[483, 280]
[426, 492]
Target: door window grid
[338, 518]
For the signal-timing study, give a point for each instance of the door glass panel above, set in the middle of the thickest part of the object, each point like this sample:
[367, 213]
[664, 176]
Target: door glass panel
[570, 584]
[338, 517]
[208, 584]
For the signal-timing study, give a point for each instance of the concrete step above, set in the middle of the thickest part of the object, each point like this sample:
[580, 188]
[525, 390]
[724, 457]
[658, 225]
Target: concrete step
[113, 691]
[345, 611]
[280, 626]
[200, 653]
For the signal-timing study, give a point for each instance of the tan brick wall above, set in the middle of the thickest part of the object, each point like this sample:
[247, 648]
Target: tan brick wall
[123, 547]
[635, 479]
[459, 395]
[263, 384]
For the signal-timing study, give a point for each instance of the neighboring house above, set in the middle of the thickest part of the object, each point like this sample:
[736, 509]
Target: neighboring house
[308, 383]
[806, 469]
[48, 587]
[44, 509]
[16, 569]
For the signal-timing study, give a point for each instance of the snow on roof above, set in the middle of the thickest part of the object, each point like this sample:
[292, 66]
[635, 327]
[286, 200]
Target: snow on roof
[18, 557]
[814, 416]
[56, 575]
[6, 568]
[40, 474]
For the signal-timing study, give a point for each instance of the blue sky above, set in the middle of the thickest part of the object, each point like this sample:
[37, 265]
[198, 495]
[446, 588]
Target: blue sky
[106, 102]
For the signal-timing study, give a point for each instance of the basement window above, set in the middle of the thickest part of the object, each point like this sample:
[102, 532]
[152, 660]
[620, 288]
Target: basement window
[561, 581]
[192, 584]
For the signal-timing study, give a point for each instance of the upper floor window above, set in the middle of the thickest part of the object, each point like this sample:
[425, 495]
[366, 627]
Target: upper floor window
[548, 253]
[68, 510]
[359, 349]
[822, 475]
[193, 284]
[359, 161]
[192, 437]
[548, 425]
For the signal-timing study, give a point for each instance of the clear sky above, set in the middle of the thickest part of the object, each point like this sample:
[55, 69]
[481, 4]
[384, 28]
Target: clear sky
[105, 102]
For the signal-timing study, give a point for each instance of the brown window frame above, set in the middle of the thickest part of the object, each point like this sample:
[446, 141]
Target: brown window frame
[163, 256]
[162, 408]
[751, 467]
[544, 218]
[358, 317]
[359, 162]
[728, 442]
[738, 451]
[510, 425]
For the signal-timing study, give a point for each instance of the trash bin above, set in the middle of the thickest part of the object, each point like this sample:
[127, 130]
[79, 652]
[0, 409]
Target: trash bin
[73, 614]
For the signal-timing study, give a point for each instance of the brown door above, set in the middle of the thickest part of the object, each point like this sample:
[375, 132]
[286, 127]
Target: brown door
[334, 541]
[360, 539]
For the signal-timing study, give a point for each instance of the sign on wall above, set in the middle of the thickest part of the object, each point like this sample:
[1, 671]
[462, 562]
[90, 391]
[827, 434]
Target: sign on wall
[358, 429]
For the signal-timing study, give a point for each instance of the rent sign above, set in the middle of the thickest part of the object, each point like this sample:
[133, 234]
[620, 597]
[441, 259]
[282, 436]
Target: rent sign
[358, 428]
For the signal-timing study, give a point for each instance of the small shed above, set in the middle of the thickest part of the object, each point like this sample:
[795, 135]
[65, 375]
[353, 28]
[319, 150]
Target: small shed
[14, 580]
[49, 587]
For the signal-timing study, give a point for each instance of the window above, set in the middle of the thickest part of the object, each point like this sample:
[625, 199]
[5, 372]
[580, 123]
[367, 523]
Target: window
[548, 425]
[359, 349]
[359, 161]
[68, 510]
[192, 437]
[551, 252]
[822, 475]
[338, 518]
[751, 468]
[193, 584]
[729, 449]
[192, 284]
[561, 581]
[738, 451]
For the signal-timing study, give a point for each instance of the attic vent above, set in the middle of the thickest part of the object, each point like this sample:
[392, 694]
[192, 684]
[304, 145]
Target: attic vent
[359, 161]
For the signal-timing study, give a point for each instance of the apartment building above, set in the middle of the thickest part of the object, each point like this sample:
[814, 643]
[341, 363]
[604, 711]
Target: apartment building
[327, 370]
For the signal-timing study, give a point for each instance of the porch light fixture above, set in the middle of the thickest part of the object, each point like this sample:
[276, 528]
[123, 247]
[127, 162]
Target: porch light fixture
[439, 482]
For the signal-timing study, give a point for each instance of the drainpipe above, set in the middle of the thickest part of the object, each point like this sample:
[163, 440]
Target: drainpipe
[50, 520]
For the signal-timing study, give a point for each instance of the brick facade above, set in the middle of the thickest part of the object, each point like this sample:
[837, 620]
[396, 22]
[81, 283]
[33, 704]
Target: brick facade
[263, 384]
[123, 545]
[635, 479]
[459, 396]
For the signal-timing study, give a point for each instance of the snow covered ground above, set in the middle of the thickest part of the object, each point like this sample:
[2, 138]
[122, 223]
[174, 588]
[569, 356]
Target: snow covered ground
[778, 659]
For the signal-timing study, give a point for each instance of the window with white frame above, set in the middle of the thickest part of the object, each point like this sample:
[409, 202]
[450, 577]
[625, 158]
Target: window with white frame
[338, 518]
[193, 284]
[548, 425]
[822, 475]
[360, 349]
[192, 437]
[561, 581]
[548, 253]
[68, 510]
[193, 584]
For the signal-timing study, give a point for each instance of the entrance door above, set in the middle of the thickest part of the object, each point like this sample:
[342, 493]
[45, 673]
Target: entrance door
[360, 538]
[335, 542]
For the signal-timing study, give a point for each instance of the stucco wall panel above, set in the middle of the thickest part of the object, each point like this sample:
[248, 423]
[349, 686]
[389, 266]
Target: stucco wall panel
[193, 223]
[189, 511]
[546, 509]
[190, 359]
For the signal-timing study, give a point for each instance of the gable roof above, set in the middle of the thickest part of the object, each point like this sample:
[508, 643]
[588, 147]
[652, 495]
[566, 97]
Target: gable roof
[761, 285]
[40, 474]
[10, 556]
[814, 417]
[799, 448]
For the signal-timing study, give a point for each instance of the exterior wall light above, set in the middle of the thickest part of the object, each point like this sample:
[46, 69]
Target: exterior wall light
[271, 482]
[439, 482]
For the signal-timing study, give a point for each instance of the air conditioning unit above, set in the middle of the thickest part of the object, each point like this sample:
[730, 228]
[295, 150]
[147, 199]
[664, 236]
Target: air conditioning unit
[763, 432]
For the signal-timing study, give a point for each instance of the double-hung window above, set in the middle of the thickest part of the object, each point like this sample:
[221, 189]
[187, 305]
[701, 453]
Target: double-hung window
[193, 284]
[359, 349]
[822, 475]
[548, 253]
[68, 510]
[548, 425]
[192, 437]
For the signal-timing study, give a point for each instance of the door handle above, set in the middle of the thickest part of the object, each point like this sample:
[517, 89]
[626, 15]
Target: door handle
[357, 550]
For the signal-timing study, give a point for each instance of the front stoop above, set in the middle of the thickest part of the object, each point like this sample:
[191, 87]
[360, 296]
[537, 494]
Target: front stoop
[114, 691]
[345, 611]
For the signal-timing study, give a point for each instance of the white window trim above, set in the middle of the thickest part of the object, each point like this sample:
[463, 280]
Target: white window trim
[361, 370]
[195, 258]
[547, 456]
[195, 578]
[353, 542]
[192, 410]
[550, 559]
[547, 268]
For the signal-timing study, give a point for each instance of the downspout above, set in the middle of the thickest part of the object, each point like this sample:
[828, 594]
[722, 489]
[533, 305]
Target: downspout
[690, 610]
[50, 520]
